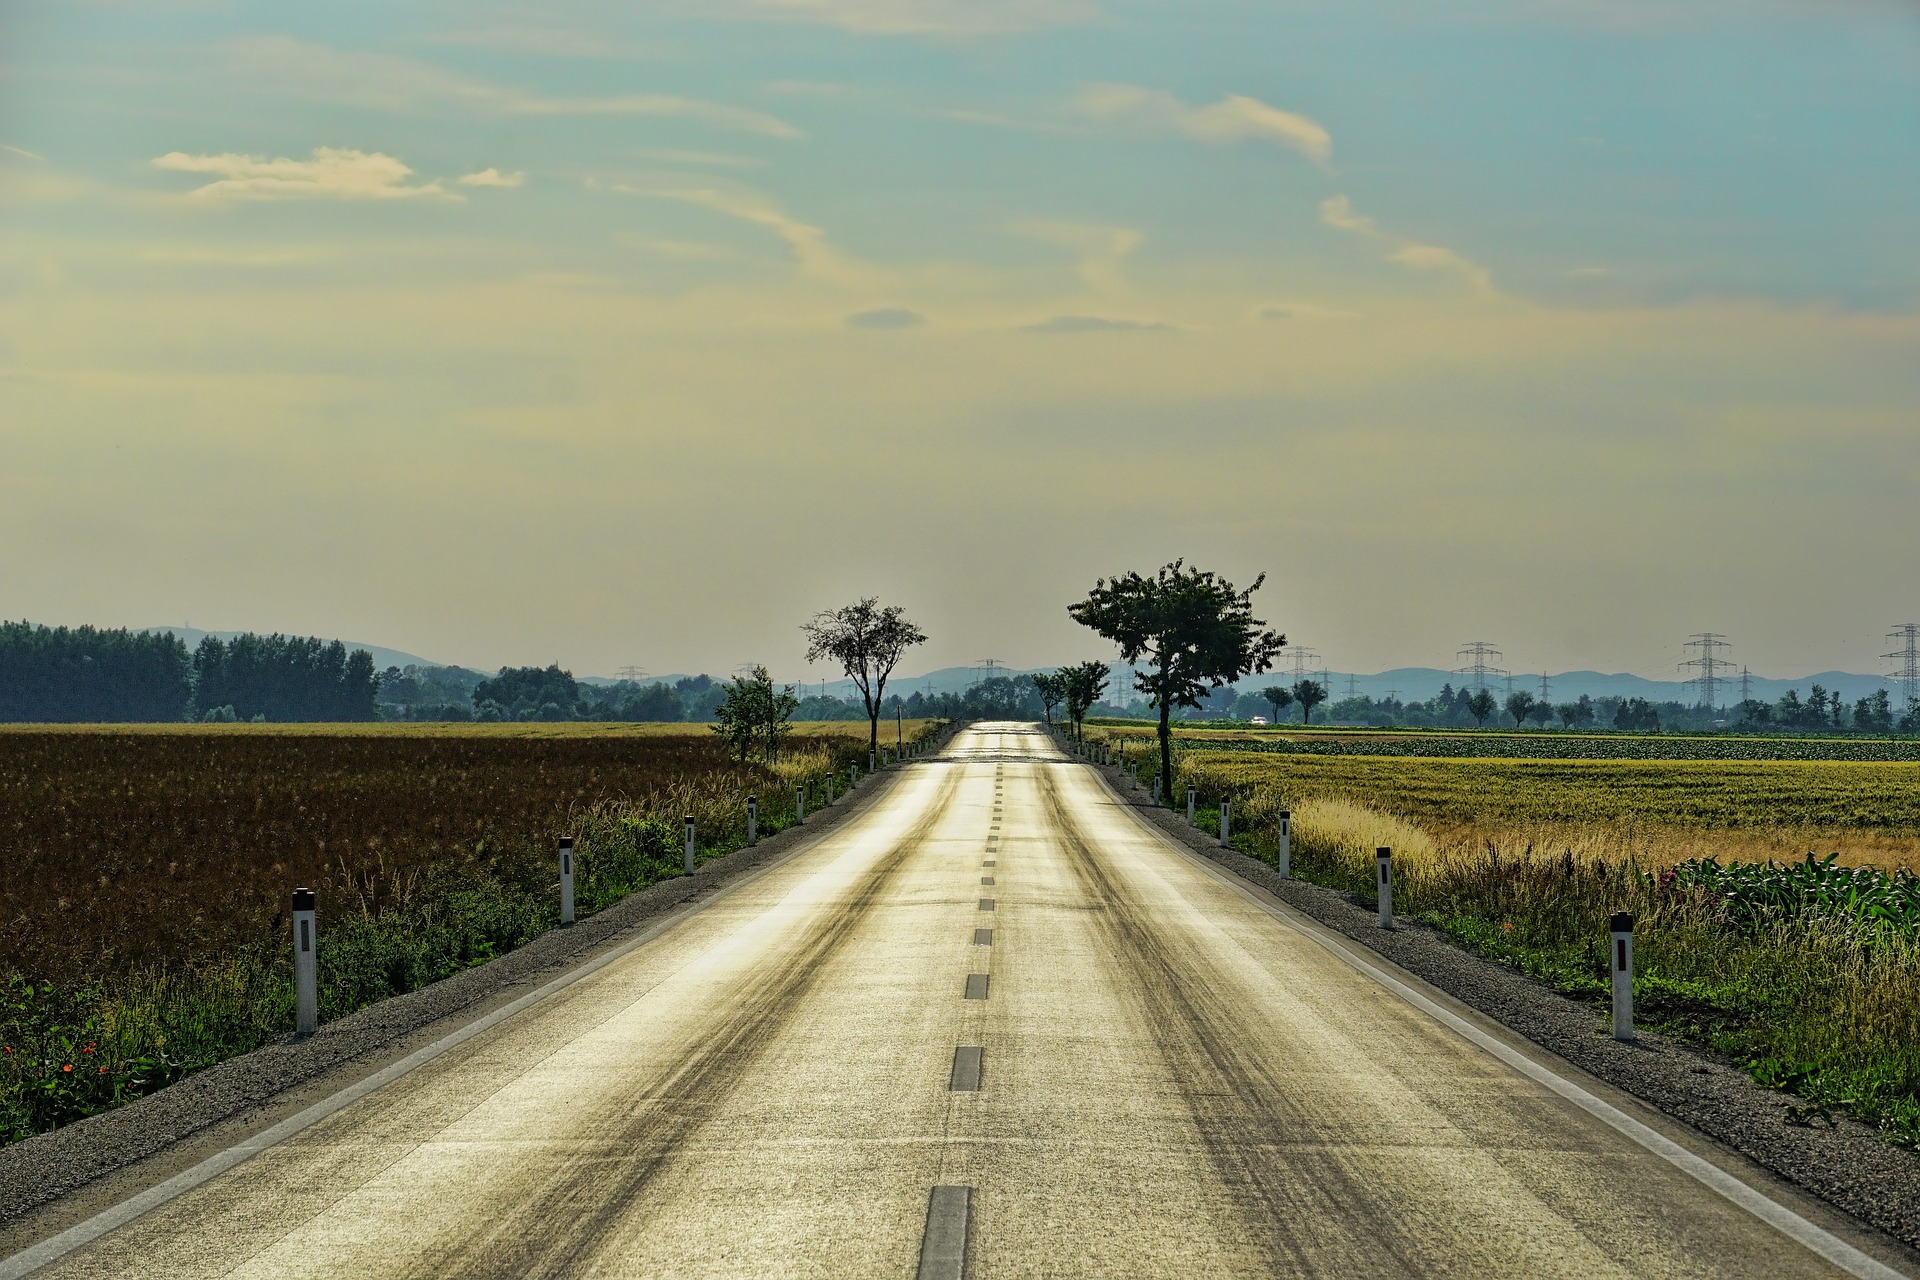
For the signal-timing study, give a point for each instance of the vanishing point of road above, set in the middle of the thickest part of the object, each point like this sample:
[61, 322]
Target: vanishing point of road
[993, 1024]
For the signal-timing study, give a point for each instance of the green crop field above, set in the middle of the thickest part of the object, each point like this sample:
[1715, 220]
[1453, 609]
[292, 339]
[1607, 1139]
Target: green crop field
[146, 871]
[1778, 917]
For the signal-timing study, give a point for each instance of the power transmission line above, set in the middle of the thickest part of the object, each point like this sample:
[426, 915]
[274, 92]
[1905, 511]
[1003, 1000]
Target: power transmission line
[1353, 686]
[1301, 659]
[1545, 688]
[1708, 664]
[1746, 687]
[1479, 655]
[1907, 635]
[633, 673]
[987, 665]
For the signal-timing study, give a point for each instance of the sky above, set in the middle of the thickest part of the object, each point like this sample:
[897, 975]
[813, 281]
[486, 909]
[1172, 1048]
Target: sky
[633, 334]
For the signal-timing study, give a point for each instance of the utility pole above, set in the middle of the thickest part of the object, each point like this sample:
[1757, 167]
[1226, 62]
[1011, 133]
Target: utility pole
[1479, 655]
[1906, 636]
[1708, 664]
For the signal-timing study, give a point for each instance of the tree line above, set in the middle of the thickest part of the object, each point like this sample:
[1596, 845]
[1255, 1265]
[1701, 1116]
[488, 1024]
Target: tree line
[86, 674]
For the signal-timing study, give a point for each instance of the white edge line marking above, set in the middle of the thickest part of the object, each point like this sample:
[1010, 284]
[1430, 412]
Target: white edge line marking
[1815, 1238]
[108, 1220]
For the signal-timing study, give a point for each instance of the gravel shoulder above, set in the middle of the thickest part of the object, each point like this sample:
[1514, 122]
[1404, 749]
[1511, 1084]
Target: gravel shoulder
[51, 1181]
[1841, 1162]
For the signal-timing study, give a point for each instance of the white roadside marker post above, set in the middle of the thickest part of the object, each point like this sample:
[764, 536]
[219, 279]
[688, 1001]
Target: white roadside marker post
[799, 805]
[689, 844]
[829, 786]
[1384, 857]
[753, 820]
[871, 763]
[1189, 806]
[1622, 930]
[1226, 813]
[1156, 790]
[566, 881]
[1286, 845]
[306, 993]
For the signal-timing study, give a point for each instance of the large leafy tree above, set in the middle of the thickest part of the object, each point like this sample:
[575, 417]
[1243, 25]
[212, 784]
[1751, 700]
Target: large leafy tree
[1194, 629]
[867, 640]
[1520, 705]
[1279, 697]
[1082, 686]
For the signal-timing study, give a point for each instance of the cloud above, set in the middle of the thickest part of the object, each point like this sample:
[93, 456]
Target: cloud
[1101, 249]
[1092, 324]
[1338, 212]
[1235, 118]
[886, 318]
[809, 243]
[387, 82]
[492, 178]
[1302, 311]
[21, 151]
[558, 42]
[711, 159]
[1432, 257]
[679, 250]
[331, 173]
[937, 18]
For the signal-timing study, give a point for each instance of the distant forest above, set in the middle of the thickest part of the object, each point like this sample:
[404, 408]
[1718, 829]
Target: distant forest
[64, 675]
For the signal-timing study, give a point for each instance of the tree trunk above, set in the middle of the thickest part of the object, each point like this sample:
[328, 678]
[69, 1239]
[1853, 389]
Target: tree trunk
[1166, 753]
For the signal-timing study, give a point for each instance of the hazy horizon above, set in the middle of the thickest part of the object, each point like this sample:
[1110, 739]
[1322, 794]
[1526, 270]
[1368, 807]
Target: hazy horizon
[617, 337]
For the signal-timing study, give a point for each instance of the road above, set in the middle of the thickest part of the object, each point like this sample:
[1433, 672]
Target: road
[1173, 1077]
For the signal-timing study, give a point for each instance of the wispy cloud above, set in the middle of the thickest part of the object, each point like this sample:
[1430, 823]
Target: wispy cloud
[886, 318]
[935, 18]
[816, 256]
[1338, 212]
[1234, 118]
[1101, 249]
[1302, 311]
[388, 82]
[708, 159]
[556, 42]
[331, 173]
[21, 151]
[678, 250]
[1093, 324]
[492, 178]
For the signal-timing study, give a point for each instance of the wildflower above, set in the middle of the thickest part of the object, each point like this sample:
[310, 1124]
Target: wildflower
[103, 1071]
[68, 1067]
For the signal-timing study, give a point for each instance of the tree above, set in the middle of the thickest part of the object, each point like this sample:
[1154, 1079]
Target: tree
[754, 713]
[524, 692]
[1279, 697]
[1480, 705]
[1309, 694]
[1195, 630]
[1543, 712]
[1520, 705]
[1874, 713]
[867, 641]
[1052, 691]
[1083, 685]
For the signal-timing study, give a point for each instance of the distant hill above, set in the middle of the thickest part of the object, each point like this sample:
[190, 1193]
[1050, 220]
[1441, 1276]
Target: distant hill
[382, 658]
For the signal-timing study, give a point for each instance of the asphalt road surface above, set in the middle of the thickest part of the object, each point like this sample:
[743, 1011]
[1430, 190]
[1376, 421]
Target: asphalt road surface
[993, 1025]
